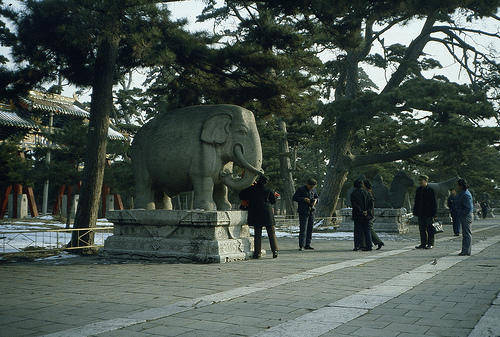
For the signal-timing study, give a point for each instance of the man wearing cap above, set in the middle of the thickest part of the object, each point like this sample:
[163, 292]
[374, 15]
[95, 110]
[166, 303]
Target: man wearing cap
[425, 208]
[306, 197]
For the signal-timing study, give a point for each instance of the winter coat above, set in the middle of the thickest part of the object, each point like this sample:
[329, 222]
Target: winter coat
[425, 202]
[260, 201]
[360, 202]
[464, 203]
[300, 194]
[452, 199]
[371, 205]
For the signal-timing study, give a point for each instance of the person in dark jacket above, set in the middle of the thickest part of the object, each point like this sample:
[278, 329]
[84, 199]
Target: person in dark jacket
[453, 212]
[425, 208]
[371, 205]
[465, 206]
[485, 207]
[306, 197]
[260, 214]
[360, 202]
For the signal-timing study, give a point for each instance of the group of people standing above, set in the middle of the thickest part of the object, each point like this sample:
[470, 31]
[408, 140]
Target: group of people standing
[363, 215]
[260, 200]
[461, 209]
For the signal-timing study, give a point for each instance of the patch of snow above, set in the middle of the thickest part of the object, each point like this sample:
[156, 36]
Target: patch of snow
[28, 223]
[13, 242]
[62, 255]
[46, 217]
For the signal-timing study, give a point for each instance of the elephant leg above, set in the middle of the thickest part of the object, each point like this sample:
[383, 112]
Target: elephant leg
[220, 198]
[143, 189]
[162, 200]
[203, 193]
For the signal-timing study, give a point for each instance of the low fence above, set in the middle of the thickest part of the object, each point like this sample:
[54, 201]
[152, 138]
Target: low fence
[43, 239]
[39, 240]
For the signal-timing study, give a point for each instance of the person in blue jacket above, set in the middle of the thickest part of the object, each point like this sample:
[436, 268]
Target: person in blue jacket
[464, 207]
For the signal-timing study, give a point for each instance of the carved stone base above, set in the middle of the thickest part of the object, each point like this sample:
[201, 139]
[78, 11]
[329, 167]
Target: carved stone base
[444, 217]
[388, 220]
[179, 236]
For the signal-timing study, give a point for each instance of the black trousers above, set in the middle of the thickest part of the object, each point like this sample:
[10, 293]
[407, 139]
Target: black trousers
[306, 221]
[426, 230]
[362, 234]
[257, 239]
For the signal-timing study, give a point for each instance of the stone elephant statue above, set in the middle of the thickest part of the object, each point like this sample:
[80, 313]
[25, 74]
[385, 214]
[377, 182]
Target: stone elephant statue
[442, 190]
[193, 149]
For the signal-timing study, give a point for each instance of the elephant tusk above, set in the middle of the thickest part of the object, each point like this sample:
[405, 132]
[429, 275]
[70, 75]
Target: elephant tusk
[238, 154]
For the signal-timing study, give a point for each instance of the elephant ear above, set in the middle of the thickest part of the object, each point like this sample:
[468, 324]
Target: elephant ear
[216, 129]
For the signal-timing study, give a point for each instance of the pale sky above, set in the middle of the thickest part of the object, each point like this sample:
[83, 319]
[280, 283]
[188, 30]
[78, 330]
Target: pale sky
[404, 35]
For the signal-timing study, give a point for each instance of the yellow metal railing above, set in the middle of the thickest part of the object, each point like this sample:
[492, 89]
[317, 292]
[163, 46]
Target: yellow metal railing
[50, 239]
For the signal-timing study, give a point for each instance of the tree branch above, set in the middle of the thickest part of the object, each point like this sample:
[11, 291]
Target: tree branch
[376, 158]
[413, 52]
[460, 29]
[472, 74]
[391, 24]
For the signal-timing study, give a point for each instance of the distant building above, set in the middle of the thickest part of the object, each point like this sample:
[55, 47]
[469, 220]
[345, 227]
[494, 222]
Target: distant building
[31, 115]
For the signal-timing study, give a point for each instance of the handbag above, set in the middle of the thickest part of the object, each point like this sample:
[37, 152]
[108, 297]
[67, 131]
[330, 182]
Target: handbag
[438, 227]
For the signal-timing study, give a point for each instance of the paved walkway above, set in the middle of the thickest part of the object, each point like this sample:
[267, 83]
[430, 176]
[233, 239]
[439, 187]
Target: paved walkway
[331, 291]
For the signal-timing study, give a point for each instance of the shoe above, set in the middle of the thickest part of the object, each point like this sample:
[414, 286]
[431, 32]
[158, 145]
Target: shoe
[429, 247]
[275, 255]
[308, 248]
[420, 247]
[301, 249]
[256, 257]
[380, 245]
[457, 234]
[355, 249]
[463, 254]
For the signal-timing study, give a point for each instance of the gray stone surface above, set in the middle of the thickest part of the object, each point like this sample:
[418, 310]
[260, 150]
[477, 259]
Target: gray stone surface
[179, 236]
[381, 193]
[193, 149]
[386, 220]
[442, 190]
[55, 295]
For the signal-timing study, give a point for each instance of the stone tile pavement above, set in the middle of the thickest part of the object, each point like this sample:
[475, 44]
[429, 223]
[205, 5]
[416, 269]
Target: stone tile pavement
[90, 296]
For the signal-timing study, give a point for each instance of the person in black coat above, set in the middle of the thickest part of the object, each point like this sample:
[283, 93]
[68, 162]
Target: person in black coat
[371, 214]
[425, 208]
[360, 202]
[260, 214]
[453, 211]
[306, 197]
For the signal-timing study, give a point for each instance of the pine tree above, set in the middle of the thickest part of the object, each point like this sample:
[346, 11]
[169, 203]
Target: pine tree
[92, 44]
[350, 30]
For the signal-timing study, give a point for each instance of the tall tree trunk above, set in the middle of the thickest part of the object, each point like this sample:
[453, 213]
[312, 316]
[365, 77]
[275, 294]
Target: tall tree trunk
[340, 146]
[100, 107]
[341, 157]
[286, 169]
[337, 171]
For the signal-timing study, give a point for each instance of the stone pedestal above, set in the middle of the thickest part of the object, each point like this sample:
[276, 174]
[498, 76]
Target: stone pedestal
[179, 236]
[390, 220]
[444, 217]
[490, 214]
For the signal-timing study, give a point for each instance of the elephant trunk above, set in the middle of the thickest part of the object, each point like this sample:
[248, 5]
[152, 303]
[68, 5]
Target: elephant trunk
[251, 171]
